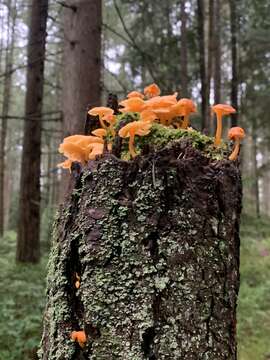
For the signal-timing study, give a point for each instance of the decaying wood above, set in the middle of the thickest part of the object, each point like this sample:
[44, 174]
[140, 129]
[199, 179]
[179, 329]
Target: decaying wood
[155, 242]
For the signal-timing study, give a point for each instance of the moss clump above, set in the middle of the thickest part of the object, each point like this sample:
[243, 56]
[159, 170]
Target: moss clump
[160, 136]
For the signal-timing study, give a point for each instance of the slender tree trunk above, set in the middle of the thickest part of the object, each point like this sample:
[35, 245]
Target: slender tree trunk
[28, 245]
[217, 53]
[155, 243]
[234, 82]
[203, 75]
[184, 54]
[82, 61]
[210, 59]
[5, 110]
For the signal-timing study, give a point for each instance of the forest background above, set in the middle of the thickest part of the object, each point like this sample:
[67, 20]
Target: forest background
[212, 51]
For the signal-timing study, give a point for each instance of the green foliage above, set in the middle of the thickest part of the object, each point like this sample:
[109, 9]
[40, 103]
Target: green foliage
[254, 300]
[22, 295]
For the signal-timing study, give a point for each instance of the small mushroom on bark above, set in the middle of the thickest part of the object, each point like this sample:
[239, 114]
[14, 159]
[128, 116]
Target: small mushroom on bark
[236, 134]
[140, 128]
[79, 336]
[101, 112]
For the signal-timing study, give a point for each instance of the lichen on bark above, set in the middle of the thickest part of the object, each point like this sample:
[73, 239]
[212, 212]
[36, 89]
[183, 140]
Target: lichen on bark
[155, 242]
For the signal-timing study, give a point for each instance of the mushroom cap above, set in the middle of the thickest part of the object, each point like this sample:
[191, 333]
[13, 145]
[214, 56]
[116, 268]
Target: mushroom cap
[100, 111]
[99, 132]
[158, 102]
[133, 94]
[185, 107]
[236, 132]
[223, 109]
[148, 115]
[82, 140]
[72, 151]
[152, 90]
[140, 128]
[75, 147]
[134, 104]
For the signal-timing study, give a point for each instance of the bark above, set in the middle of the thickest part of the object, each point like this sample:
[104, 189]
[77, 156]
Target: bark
[5, 111]
[184, 55]
[217, 53]
[203, 76]
[28, 245]
[234, 82]
[82, 61]
[155, 242]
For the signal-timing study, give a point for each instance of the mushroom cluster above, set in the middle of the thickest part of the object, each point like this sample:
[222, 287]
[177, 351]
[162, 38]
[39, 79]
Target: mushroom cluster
[150, 108]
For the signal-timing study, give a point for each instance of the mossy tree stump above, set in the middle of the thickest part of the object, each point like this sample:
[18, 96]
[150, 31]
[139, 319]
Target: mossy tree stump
[155, 242]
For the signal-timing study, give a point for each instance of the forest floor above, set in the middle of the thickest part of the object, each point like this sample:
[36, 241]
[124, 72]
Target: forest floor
[22, 297]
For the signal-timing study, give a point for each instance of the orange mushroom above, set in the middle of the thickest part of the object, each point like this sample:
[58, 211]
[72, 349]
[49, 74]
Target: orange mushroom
[79, 336]
[151, 91]
[163, 114]
[75, 148]
[236, 134]
[134, 104]
[221, 110]
[148, 116]
[184, 108]
[101, 112]
[72, 151]
[82, 140]
[94, 149]
[101, 133]
[140, 128]
[111, 120]
[133, 94]
[161, 101]
[78, 281]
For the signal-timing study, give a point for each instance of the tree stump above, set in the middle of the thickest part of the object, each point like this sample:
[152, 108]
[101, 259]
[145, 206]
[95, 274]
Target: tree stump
[155, 242]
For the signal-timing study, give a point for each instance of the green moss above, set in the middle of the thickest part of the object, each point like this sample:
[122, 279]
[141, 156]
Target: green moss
[160, 136]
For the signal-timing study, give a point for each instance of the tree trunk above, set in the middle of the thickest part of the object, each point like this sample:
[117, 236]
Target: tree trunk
[28, 245]
[217, 53]
[82, 62]
[203, 76]
[234, 82]
[210, 59]
[155, 242]
[183, 55]
[5, 110]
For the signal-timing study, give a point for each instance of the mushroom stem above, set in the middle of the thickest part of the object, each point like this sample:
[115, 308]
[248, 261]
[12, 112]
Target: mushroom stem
[185, 122]
[112, 130]
[102, 123]
[219, 130]
[236, 149]
[131, 145]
